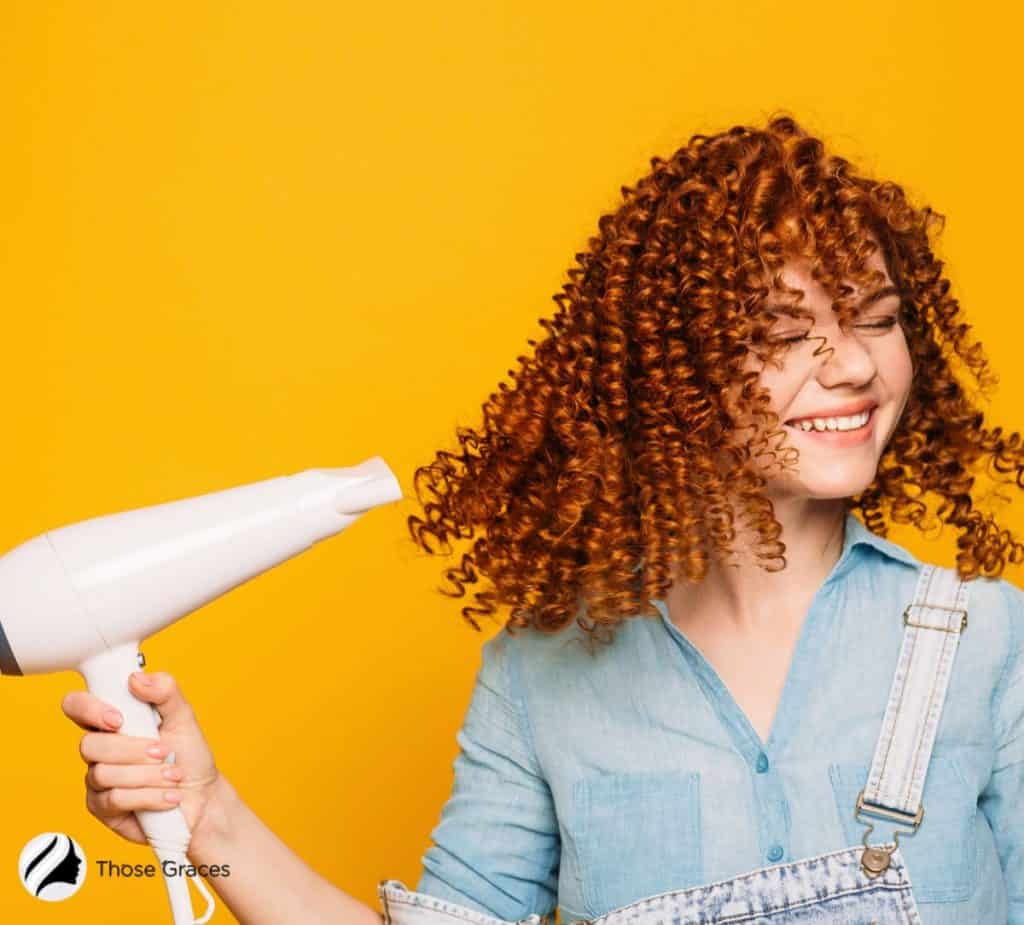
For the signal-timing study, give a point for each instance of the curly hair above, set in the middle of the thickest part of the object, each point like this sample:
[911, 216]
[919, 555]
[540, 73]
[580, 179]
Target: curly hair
[608, 465]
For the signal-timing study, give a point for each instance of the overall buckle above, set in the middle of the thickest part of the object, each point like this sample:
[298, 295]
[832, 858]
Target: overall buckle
[875, 860]
[928, 626]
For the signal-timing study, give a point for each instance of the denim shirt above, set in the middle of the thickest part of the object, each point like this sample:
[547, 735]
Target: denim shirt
[588, 781]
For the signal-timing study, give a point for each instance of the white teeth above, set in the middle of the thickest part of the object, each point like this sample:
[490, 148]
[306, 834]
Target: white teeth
[851, 422]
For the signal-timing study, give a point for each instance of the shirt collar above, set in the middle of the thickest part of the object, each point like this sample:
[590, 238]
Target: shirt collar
[859, 535]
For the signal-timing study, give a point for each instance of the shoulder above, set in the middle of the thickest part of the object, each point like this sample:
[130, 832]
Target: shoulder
[1003, 626]
[1012, 620]
[572, 644]
[560, 663]
[523, 655]
[1013, 597]
[993, 643]
[995, 610]
[995, 606]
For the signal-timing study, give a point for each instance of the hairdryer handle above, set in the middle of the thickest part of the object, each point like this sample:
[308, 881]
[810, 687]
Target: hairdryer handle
[107, 674]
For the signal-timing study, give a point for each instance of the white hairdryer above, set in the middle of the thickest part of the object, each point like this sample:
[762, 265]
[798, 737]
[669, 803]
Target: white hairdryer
[83, 597]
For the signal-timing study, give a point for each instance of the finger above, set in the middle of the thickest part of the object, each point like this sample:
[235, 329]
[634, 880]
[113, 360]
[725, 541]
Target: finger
[104, 803]
[128, 827]
[114, 748]
[89, 712]
[161, 690]
[101, 776]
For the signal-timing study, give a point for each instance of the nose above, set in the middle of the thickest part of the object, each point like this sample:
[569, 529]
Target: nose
[843, 358]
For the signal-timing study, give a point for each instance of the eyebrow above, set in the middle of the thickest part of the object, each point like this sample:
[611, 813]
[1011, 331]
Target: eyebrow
[878, 295]
[798, 311]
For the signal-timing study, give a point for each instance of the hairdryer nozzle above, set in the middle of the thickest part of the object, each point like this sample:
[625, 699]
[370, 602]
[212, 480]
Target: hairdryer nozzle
[365, 486]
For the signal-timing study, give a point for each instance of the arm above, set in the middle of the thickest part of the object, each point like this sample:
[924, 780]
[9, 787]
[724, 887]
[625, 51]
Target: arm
[1002, 800]
[497, 841]
[266, 883]
[497, 847]
[269, 884]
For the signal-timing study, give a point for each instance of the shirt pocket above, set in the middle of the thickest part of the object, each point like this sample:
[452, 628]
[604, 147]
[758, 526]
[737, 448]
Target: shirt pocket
[637, 834]
[942, 856]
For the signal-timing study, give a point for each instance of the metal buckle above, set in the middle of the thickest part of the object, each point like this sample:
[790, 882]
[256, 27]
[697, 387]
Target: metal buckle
[890, 814]
[875, 860]
[927, 626]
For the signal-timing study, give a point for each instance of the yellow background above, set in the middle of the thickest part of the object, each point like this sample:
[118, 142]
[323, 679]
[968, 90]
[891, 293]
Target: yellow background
[241, 240]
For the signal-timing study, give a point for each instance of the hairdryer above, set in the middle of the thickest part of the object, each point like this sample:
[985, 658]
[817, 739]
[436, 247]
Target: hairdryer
[84, 596]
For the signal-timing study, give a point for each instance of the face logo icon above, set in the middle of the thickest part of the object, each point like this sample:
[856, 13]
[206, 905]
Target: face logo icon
[52, 866]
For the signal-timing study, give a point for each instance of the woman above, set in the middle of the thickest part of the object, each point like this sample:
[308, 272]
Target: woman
[758, 343]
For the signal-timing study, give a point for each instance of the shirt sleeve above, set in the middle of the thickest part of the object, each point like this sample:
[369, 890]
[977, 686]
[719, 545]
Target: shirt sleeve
[1002, 800]
[496, 848]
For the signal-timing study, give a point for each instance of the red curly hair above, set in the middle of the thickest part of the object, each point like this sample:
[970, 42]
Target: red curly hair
[599, 475]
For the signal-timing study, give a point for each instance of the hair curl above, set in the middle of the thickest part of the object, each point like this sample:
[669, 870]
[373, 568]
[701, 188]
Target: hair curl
[608, 465]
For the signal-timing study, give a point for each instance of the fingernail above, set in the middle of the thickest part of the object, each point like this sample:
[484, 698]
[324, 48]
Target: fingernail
[171, 797]
[172, 773]
[143, 678]
[112, 717]
[157, 751]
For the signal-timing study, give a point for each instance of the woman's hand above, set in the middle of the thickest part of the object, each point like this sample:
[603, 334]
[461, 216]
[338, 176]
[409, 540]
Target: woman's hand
[123, 777]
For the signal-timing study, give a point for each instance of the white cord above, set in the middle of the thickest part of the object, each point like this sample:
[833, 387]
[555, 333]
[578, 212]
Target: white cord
[177, 887]
[198, 881]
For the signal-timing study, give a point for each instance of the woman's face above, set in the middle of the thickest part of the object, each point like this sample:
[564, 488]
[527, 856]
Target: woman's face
[836, 376]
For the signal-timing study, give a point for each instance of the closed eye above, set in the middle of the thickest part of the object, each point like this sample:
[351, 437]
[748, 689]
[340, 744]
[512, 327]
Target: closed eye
[885, 323]
[788, 339]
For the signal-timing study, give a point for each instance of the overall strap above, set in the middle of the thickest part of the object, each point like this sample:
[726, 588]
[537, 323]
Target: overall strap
[933, 624]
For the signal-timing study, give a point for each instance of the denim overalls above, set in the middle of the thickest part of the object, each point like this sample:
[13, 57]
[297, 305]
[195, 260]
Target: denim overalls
[862, 885]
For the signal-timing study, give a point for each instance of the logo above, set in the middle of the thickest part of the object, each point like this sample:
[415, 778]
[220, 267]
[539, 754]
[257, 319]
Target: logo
[52, 866]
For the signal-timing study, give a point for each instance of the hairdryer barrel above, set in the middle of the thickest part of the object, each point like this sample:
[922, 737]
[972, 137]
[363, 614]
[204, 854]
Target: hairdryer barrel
[74, 592]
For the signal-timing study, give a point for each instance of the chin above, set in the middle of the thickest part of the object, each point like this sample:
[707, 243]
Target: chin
[826, 487]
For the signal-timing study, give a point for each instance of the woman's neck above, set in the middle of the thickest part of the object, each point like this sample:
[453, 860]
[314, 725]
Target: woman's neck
[742, 598]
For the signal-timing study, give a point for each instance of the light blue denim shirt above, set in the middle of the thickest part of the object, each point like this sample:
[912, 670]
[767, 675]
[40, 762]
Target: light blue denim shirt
[591, 781]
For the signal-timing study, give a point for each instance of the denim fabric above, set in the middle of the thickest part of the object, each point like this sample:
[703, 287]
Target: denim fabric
[592, 781]
[934, 624]
[404, 907]
[829, 889]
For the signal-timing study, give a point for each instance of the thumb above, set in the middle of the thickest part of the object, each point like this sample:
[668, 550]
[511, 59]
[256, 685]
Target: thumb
[161, 690]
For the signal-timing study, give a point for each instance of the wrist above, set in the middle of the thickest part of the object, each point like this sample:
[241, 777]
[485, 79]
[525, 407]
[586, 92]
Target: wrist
[216, 825]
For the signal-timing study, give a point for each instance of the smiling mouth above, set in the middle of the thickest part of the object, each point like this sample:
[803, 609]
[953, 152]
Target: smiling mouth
[796, 425]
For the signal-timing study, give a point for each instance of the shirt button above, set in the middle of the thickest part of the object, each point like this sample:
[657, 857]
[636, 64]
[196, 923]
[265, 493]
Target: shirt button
[762, 763]
[775, 853]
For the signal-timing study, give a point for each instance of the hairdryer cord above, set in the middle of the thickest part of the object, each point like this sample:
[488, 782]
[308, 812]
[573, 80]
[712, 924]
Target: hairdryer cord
[198, 881]
[177, 890]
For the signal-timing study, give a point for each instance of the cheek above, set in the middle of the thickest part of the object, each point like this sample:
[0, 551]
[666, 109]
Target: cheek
[782, 385]
[897, 367]
[781, 380]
